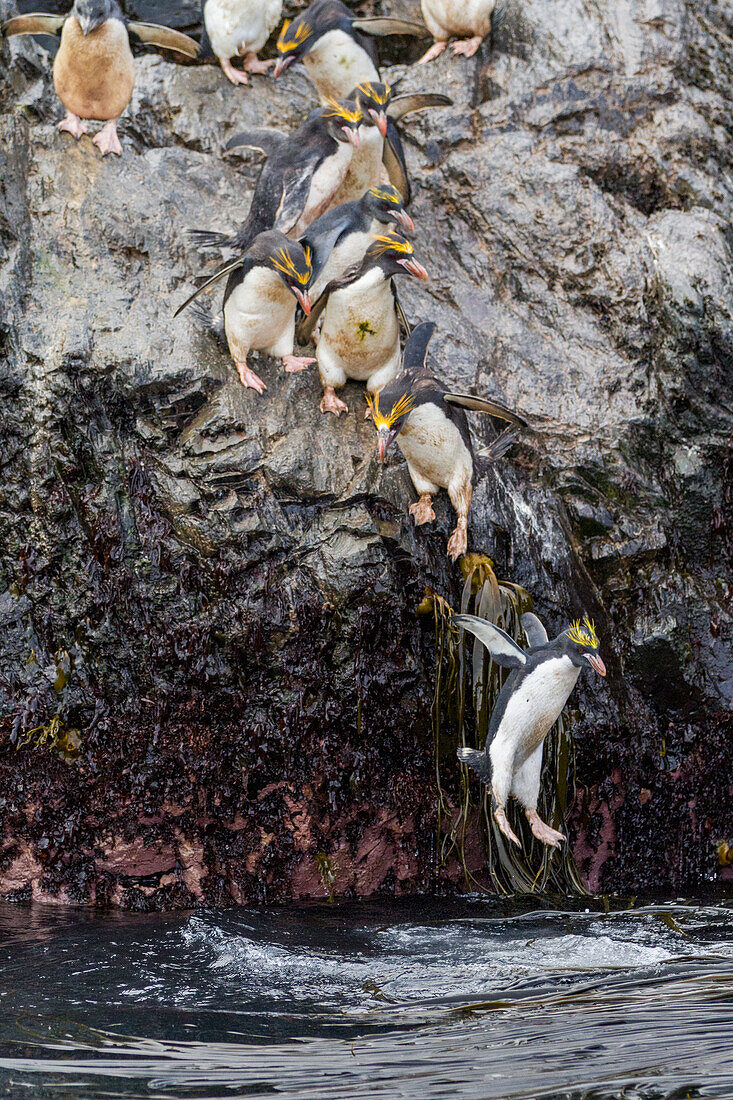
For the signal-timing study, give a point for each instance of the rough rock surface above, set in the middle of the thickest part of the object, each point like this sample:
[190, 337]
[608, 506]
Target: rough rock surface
[215, 592]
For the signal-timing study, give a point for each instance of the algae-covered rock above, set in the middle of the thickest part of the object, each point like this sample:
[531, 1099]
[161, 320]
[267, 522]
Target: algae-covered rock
[214, 592]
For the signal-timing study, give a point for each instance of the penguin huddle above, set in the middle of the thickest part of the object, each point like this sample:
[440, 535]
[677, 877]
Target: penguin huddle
[316, 260]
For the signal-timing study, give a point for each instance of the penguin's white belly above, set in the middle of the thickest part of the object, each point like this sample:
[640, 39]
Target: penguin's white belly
[365, 169]
[234, 25]
[336, 64]
[259, 315]
[432, 444]
[326, 180]
[468, 18]
[348, 252]
[360, 331]
[531, 712]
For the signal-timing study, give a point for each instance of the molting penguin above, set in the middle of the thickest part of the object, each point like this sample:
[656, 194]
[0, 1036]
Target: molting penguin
[430, 427]
[303, 172]
[335, 46]
[529, 704]
[240, 28]
[339, 239]
[360, 334]
[94, 70]
[259, 302]
[471, 20]
[380, 149]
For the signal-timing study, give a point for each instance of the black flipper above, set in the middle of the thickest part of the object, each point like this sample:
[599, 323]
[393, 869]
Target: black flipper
[210, 282]
[296, 187]
[263, 140]
[503, 649]
[416, 348]
[323, 242]
[533, 628]
[472, 758]
[393, 159]
[484, 405]
[33, 23]
[401, 315]
[381, 26]
[306, 327]
[151, 34]
[207, 50]
[416, 101]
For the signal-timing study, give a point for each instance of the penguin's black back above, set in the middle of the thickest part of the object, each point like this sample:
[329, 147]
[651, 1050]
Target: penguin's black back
[331, 15]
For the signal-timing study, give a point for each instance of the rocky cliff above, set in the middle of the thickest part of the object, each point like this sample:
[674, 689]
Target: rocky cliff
[214, 685]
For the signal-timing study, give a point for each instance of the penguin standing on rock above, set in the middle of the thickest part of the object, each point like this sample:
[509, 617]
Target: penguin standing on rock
[529, 704]
[470, 20]
[94, 70]
[240, 28]
[259, 302]
[303, 172]
[430, 426]
[339, 239]
[360, 334]
[336, 46]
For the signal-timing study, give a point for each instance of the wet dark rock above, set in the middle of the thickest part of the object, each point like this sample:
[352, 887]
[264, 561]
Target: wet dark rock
[213, 683]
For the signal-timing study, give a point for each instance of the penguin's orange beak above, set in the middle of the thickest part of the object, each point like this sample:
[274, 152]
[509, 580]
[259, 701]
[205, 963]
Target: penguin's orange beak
[304, 300]
[283, 63]
[384, 441]
[380, 121]
[352, 135]
[416, 269]
[597, 663]
[405, 220]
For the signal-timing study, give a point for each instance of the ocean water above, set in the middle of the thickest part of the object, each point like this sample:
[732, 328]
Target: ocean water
[418, 999]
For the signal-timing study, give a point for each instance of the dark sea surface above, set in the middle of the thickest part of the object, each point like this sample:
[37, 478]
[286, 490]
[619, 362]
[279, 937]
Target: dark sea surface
[464, 998]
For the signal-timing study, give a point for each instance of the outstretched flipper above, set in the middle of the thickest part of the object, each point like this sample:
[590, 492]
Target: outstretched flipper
[393, 159]
[484, 405]
[260, 138]
[503, 649]
[33, 23]
[382, 26]
[227, 270]
[151, 34]
[322, 241]
[416, 101]
[533, 628]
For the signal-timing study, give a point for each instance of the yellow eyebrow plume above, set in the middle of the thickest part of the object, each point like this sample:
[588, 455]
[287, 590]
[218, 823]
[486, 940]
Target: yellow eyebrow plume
[283, 261]
[584, 633]
[370, 90]
[405, 404]
[333, 109]
[390, 242]
[290, 41]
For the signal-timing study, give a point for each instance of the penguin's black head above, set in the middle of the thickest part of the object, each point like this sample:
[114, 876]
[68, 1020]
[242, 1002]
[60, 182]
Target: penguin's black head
[296, 38]
[386, 204]
[395, 255]
[580, 644]
[342, 121]
[372, 99]
[292, 262]
[390, 409]
[91, 14]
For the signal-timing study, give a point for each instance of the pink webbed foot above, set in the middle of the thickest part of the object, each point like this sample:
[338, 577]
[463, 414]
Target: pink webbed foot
[458, 542]
[502, 821]
[252, 64]
[293, 363]
[235, 75]
[435, 51]
[467, 47]
[422, 510]
[107, 141]
[249, 379]
[330, 403]
[544, 832]
[73, 125]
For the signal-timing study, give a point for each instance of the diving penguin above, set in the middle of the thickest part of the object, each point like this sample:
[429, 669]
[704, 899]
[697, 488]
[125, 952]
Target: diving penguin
[240, 28]
[471, 20]
[428, 422]
[380, 147]
[259, 302]
[335, 46]
[360, 333]
[94, 70]
[302, 173]
[529, 704]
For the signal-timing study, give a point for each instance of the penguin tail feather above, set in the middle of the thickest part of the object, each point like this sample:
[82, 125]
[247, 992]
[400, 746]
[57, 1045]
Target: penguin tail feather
[499, 447]
[206, 238]
[476, 760]
[202, 316]
[499, 14]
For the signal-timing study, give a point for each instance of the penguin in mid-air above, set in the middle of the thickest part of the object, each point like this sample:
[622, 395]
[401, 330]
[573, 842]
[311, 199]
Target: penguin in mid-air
[336, 46]
[431, 429]
[94, 70]
[380, 149]
[468, 20]
[529, 704]
[339, 239]
[259, 302]
[302, 173]
[240, 28]
[360, 331]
